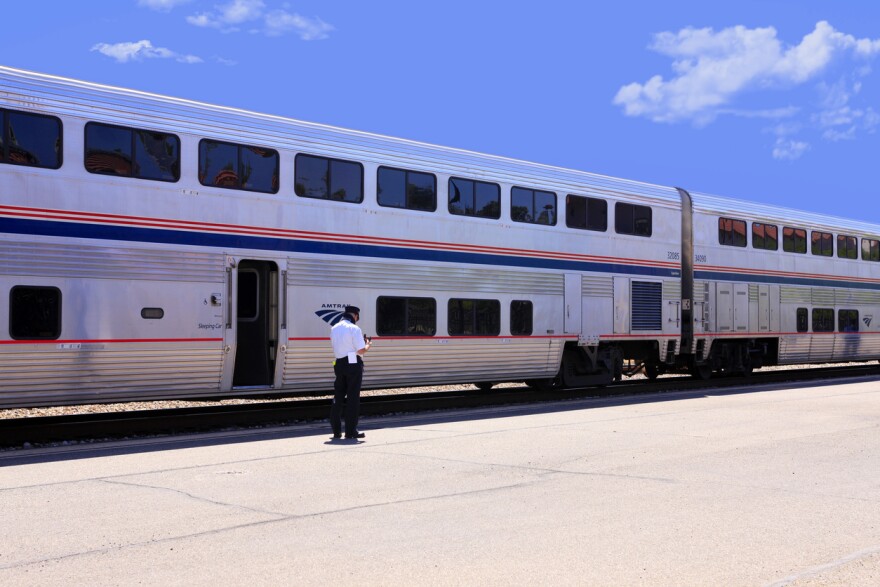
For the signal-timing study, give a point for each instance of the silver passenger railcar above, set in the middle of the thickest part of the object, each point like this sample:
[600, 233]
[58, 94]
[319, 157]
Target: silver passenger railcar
[157, 247]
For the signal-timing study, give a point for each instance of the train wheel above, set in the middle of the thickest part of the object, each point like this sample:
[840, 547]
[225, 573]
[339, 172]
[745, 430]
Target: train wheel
[484, 385]
[702, 372]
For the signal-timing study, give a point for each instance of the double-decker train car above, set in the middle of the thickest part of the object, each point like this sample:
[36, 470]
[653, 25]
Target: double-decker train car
[156, 247]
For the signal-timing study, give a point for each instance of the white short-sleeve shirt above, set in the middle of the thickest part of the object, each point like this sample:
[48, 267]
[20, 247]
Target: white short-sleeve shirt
[346, 337]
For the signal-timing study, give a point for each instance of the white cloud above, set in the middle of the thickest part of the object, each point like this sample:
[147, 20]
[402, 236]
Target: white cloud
[789, 150]
[162, 5]
[712, 68]
[230, 16]
[139, 50]
[279, 22]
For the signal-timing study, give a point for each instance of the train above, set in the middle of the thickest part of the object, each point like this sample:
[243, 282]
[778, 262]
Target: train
[157, 248]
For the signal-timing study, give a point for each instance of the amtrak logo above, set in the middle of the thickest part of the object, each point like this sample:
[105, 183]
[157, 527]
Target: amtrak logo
[867, 320]
[331, 317]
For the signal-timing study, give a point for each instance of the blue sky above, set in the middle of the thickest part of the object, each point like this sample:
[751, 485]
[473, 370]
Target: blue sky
[775, 101]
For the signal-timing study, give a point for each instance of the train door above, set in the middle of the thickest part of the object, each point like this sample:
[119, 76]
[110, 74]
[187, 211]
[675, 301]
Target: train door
[573, 297]
[256, 338]
[763, 308]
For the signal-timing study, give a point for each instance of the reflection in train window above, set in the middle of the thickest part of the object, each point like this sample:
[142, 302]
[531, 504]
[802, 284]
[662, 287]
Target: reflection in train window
[474, 317]
[870, 249]
[521, 317]
[329, 179]
[399, 188]
[406, 316]
[30, 139]
[632, 219]
[468, 197]
[586, 213]
[847, 247]
[533, 206]
[242, 167]
[732, 232]
[765, 236]
[794, 240]
[34, 312]
[822, 243]
[131, 152]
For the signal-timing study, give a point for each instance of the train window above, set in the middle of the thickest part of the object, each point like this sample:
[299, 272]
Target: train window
[823, 320]
[238, 167]
[848, 320]
[34, 312]
[398, 188]
[474, 198]
[732, 232]
[822, 243]
[131, 152]
[632, 219]
[152, 313]
[802, 325]
[794, 240]
[765, 236]
[586, 213]
[474, 317]
[406, 316]
[521, 312]
[847, 247]
[870, 250]
[329, 179]
[30, 139]
[533, 206]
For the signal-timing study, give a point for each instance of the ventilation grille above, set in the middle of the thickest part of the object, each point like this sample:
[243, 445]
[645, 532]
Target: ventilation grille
[647, 305]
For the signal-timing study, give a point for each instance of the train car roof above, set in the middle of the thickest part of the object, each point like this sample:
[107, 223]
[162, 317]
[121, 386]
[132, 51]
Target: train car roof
[64, 96]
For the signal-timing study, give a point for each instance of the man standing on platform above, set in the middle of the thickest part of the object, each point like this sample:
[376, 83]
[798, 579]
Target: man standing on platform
[349, 346]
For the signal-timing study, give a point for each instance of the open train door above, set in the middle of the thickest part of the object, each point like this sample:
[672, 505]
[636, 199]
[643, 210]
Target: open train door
[256, 332]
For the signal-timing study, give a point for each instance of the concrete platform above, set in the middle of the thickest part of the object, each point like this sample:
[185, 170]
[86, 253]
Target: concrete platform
[772, 487]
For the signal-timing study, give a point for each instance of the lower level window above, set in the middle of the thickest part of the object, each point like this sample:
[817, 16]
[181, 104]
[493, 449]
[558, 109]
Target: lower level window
[521, 317]
[34, 313]
[474, 317]
[802, 325]
[848, 320]
[823, 320]
[406, 316]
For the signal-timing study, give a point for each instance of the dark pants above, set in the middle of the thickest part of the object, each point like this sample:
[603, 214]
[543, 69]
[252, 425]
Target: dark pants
[348, 393]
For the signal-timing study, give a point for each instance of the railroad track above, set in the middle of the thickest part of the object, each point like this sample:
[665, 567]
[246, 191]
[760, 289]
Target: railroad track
[42, 430]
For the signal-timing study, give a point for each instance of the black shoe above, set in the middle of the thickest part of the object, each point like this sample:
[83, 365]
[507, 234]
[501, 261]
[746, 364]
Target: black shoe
[355, 435]
[337, 436]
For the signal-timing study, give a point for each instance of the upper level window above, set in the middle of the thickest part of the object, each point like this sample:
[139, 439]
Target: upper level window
[399, 188]
[30, 139]
[329, 179]
[34, 312]
[732, 232]
[535, 206]
[847, 247]
[870, 250]
[132, 152]
[765, 236]
[241, 167]
[586, 213]
[474, 317]
[406, 316]
[822, 243]
[474, 198]
[632, 219]
[794, 240]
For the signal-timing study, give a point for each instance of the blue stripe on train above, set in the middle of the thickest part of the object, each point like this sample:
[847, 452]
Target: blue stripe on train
[263, 243]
